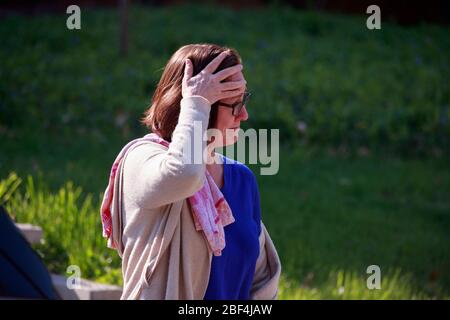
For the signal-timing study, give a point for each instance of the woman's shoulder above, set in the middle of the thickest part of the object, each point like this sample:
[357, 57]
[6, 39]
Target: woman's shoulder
[144, 150]
[138, 159]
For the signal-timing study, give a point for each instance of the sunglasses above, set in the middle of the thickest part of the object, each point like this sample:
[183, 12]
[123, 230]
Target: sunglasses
[237, 107]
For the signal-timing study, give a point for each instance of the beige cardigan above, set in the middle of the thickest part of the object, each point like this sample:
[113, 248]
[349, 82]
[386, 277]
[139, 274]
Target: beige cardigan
[163, 255]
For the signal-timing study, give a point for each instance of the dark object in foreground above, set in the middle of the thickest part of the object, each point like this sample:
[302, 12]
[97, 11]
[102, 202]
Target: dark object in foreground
[23, 275]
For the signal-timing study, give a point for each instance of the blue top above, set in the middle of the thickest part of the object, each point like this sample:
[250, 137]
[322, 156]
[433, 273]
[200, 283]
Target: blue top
[232, 273]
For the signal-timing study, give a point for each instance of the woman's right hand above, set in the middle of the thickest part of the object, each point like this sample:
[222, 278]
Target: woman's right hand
[209, 85]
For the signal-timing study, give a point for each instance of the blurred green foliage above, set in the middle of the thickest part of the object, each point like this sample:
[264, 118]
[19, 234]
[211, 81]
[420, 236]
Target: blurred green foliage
[68, 103]
[322, 79]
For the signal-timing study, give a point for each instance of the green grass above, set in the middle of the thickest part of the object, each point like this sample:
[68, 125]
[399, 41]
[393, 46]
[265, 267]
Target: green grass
[331, 213]
[72, 229]
[350, 86]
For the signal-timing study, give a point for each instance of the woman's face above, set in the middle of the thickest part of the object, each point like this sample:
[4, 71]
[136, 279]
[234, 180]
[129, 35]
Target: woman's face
[225, 118]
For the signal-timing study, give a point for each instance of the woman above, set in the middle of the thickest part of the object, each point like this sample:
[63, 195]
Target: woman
[186, 229]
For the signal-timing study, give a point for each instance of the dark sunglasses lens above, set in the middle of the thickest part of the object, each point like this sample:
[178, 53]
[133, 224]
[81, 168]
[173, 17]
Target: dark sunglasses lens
[245, 98]
[238, 108]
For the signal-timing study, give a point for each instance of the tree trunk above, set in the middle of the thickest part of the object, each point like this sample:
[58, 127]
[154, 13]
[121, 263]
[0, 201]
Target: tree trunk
[123, 36]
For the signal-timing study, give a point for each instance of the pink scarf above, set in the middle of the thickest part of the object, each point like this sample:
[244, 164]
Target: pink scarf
[210, 210]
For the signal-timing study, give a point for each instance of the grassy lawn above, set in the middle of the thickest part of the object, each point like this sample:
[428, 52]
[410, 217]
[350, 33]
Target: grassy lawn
[68, 103]
[333, 217]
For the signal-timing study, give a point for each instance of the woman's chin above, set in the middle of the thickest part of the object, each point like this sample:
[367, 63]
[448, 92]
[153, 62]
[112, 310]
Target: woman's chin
[230, 141]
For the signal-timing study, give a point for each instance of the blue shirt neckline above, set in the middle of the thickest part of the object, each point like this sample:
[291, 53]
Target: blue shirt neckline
[232, 273]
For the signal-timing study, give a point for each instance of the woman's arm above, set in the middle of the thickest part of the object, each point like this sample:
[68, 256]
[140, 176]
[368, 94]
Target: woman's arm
[267, 271]
[158, 176]
[268, 265]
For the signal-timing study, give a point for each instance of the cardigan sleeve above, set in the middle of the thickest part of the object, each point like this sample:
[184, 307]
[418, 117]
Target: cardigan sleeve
[267, 271]
[161, 176]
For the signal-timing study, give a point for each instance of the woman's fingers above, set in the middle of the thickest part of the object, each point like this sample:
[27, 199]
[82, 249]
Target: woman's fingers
[209, 85]
[231, 85]
[212, 66]
[188, 69]
[231, 94]
[225, 73]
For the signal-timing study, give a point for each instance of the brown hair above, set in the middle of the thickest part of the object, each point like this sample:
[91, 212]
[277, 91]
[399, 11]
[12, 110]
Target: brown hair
[162, 115]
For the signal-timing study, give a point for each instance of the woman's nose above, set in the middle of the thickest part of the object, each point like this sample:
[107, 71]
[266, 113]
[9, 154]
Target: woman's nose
[243, 115]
